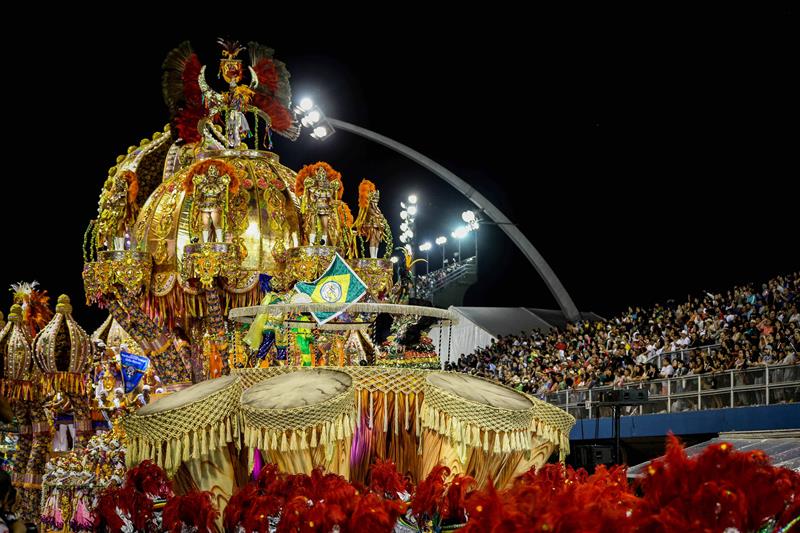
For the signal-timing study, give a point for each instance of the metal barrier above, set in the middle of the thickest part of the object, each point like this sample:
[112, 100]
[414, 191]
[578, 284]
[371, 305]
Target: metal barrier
[763, 385]
[682, 355]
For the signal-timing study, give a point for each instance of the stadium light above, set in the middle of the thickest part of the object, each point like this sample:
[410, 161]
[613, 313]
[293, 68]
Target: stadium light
[306, 104]
[311, 116]
[412, 210]
[425, 246]
[441, 240]
[412, 198]
[394, 259]
[468, 216]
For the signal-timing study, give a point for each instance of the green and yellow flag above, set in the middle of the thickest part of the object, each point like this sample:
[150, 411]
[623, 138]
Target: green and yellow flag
[339, 284]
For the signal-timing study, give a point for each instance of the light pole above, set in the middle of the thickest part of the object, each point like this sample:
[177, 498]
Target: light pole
[441, 241]
[325, 127]
[408, 215]
[458, 234]
[426, 247]
[473, 225]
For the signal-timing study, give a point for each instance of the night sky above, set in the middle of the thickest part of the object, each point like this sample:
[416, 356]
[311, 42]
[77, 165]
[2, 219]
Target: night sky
[646, 156]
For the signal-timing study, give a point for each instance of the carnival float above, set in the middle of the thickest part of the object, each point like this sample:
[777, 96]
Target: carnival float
[240, 382]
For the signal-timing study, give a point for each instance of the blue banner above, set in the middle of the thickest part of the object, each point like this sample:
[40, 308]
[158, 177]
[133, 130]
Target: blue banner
[133, 368]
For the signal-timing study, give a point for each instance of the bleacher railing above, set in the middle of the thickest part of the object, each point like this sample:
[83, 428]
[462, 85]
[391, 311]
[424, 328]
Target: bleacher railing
[682, 355]
[763, 385]
[462, 269]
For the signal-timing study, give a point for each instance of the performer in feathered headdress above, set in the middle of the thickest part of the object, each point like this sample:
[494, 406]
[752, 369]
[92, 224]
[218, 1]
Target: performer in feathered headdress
[371, 225]
[36, 312]
[195, 107]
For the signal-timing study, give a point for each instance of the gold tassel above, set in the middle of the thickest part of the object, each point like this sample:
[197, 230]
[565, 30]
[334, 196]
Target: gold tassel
[314, 435]
[370, 410]
[176, 451]
[323, 438]
[405, 397]
[385, 413]
[212, 437]
[416, 413]
[203, 443]
[396, 412]
[339, 429]
[274, 444]
[293, 440]
[284, 442]
[496, 443]
[228, 436]
[261, 437]
[168, 458]
[476, 437]
[195, 445]
[506, 444]
[186, 449]
[358, 407]
[303, 443]
[485, 441]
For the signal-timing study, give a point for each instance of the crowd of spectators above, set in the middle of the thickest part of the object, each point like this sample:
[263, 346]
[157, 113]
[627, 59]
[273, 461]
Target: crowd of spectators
[747, 326]
[427, 283]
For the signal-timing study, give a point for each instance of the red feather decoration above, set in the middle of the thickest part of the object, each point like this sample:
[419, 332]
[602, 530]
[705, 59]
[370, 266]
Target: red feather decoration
[385, 480]
[192, 510]
[455, 500]
[267, 74]
[150, 480]
[373, 513]
[123, 501]
[428, 497]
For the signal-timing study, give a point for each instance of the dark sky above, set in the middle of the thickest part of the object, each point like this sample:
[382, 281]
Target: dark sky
[645, 155]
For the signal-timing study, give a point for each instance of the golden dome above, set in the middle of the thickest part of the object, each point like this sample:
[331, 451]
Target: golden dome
[62, 346]
[17, 347]
[263, 216]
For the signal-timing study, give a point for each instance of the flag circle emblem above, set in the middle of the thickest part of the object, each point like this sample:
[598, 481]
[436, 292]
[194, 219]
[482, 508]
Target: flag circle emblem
[331, 291]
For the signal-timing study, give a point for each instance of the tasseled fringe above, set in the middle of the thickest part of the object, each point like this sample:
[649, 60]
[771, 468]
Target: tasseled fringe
[170, 453]
[464, 435]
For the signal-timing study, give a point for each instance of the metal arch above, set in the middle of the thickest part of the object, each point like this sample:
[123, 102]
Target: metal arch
[509, 228]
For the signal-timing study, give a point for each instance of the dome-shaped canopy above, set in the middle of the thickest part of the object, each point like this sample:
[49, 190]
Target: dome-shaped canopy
[62, 346]
[17, 347]
[262, 216]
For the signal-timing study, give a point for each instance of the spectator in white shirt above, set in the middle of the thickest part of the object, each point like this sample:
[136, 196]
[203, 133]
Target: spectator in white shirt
[666, 369]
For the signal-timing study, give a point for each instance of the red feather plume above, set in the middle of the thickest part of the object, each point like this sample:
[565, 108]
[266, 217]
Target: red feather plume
[130, 503]
[373, 513]
[384, 479]
[150, 480]
[429, 493]
[194, 509]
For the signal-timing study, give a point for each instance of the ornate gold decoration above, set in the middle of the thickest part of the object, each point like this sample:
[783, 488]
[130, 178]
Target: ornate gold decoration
[162, 223]
[307, 263]
[376, 273]
[129, 268]
[205, 261]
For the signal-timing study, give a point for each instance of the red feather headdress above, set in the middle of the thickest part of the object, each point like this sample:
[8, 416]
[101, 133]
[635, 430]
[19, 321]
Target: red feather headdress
[309, 171]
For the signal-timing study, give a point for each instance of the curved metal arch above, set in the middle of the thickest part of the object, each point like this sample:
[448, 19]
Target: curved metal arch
[509, 228]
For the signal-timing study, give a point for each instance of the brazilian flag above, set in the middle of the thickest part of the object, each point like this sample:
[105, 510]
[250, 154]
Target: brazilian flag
[339, 284]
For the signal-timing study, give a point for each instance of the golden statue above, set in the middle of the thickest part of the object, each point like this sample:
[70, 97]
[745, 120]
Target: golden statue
[371, 225]
[212, 182]
[318, 207]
